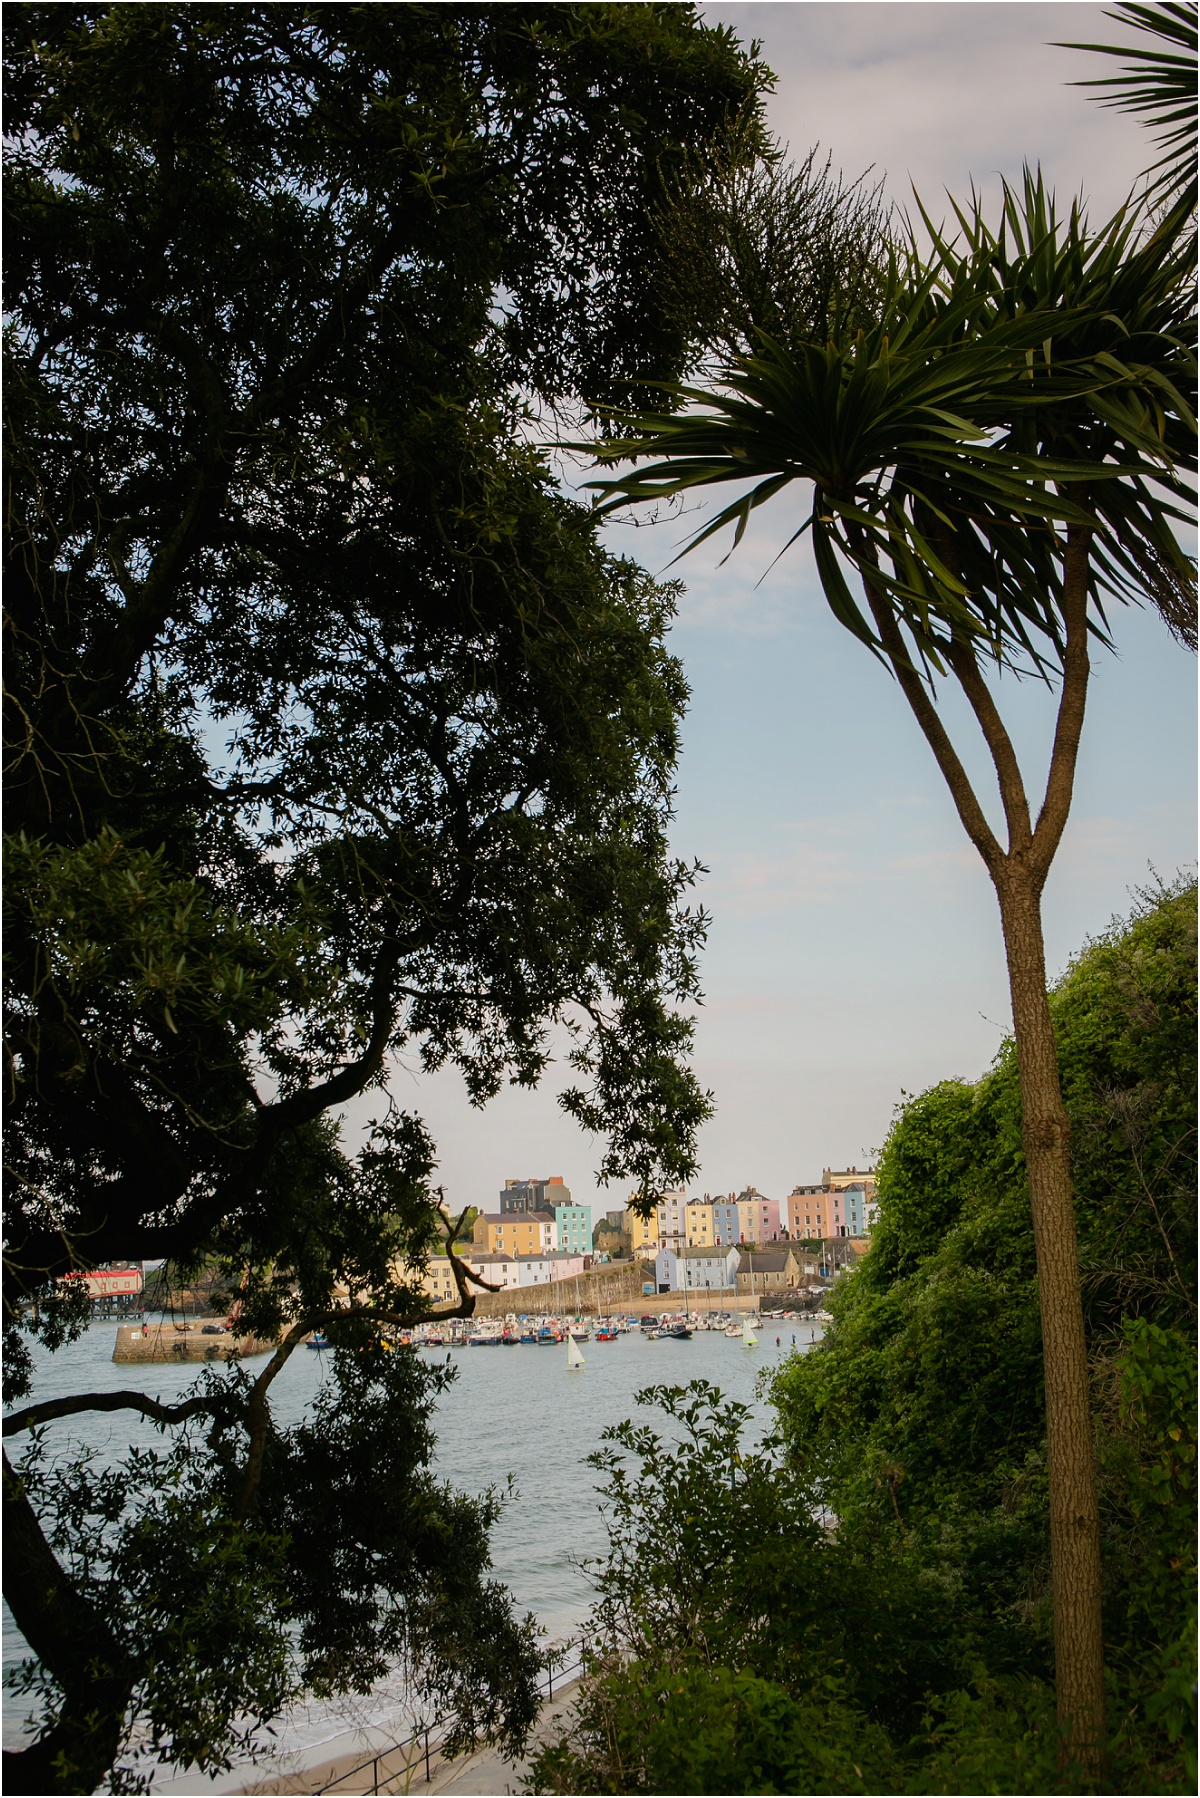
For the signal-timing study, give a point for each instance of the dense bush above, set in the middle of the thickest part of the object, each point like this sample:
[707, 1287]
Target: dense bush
[863, 1605]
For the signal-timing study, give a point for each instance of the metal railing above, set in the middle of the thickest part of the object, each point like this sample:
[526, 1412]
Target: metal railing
[427, 1739]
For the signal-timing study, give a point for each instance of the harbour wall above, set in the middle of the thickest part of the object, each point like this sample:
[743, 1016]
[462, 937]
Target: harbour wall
[617, 1287]
[182, 1342]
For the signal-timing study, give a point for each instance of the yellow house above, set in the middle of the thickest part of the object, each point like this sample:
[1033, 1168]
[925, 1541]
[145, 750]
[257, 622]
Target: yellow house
[643, 1232]
[437, 1282]
[699, 1219]
[514, 1232]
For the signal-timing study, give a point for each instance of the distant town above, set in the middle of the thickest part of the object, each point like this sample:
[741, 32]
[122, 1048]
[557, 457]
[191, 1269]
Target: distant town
[737, 1242]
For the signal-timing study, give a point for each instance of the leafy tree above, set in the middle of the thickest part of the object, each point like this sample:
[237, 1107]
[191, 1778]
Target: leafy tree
[920, 1420]
[862, 1602]
[1000, 450]
[705, 1635]
[331, 731]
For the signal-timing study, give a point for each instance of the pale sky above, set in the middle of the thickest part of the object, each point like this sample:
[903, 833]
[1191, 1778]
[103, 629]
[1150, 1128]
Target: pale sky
[855, 950]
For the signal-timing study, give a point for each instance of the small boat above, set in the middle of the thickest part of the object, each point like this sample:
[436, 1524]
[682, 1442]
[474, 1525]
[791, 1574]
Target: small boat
[603, 1334]
[733, 1329]
[528, 1335]
[317, 1340]
[575, 1358]
[749, 1339]
[580, 1332]
[676, 1332]
[510, 1339]
[548, 1335]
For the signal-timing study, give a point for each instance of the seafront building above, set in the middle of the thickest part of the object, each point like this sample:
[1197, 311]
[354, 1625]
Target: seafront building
[747, 1217]
[559, 1264]
[672, 1220]
[758, 1217]
[837, 1179]
[552, 1197]
[437, 1282]
[643, 1233]
[505, 1273]
[515, 1232]
[696, 1270]
[768, 1270]
[843, 1205]
[699, 1223]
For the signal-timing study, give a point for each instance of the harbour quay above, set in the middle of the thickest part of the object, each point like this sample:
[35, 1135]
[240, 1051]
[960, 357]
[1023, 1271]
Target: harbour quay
[183, 1342]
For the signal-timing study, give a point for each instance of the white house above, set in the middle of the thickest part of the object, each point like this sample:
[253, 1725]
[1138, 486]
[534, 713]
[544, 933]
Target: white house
[498, 1270]
[557, 1264]
[696, 1270]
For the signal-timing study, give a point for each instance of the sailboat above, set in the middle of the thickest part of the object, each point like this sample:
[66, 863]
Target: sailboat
[749, 1339]
[574, 1355]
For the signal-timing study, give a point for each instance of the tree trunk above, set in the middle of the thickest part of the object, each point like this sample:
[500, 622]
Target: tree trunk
[76, 1646]
[1074, 1516]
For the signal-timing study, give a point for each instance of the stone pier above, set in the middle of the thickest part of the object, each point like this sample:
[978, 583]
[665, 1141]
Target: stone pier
[182, 1342]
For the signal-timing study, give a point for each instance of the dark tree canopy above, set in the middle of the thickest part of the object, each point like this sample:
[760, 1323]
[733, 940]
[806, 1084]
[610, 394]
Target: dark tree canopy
[331, 732]
[276, 275]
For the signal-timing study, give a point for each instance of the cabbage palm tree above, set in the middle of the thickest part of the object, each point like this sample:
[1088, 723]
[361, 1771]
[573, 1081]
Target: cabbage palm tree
[1000, 456]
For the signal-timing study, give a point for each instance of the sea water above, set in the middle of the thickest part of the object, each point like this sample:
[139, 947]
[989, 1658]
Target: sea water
[512, 1411]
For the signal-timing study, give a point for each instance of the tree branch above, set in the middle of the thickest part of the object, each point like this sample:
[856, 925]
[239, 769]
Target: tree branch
[1000, 745]
[303, 1106]
[76, 1646]
[1052, 819]
[934, 731]
[50, 1409]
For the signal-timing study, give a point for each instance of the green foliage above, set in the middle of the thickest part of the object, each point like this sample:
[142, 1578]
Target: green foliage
[894, 1540]
[198, 1608]
[356, 1560]
[332, 733]
[693, 1727]
[1033, 370]
[1159, 87]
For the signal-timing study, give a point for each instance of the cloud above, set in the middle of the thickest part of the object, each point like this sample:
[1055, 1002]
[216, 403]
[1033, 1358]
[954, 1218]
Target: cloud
[941, 94]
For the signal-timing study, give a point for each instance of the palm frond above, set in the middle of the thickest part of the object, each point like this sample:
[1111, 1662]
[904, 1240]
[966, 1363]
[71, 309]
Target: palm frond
[1159, 86]
[1026, 378]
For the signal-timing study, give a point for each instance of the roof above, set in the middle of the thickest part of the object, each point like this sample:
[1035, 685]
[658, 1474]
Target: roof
[713, 1252]
[515, 1217]
[764, 1261]
[553, 1255]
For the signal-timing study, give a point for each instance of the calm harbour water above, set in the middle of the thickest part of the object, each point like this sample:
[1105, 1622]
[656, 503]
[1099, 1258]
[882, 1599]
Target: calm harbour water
[511, 1411]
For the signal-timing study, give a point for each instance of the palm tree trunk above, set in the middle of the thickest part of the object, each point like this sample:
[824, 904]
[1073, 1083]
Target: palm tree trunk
[1019, 875]
[1074, 1515]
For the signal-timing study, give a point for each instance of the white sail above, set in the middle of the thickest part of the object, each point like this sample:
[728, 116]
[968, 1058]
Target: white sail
[574, 1354]
[749, 1339]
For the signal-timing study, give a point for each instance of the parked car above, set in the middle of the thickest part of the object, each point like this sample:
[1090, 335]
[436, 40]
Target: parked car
[214, 1330]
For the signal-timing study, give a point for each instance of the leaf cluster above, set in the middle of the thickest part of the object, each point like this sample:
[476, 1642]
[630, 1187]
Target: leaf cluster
[1013, 381]
[1159, 87]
